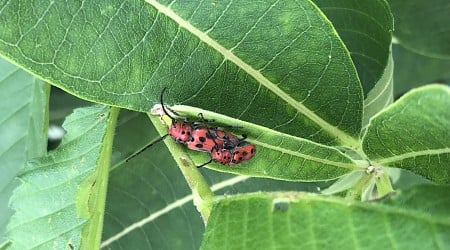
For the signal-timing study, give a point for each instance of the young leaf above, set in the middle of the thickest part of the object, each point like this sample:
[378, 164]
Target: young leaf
[23, 128]
[414, 134]
[59, 202]
[345, 182]
[308, 221]
[235, 58]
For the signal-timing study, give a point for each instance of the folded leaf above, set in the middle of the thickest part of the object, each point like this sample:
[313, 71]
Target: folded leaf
[278, 155]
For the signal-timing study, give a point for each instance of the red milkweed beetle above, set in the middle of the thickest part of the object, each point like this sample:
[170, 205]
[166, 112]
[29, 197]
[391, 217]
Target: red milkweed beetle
[180, 131]
[199, 137]
[205, 139]
[243, 151]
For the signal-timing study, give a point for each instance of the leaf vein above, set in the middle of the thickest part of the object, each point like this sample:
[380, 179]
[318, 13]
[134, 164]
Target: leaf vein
[429, 152]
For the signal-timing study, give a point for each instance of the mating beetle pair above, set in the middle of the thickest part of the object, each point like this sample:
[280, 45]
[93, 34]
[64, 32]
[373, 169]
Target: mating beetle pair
[223, 147]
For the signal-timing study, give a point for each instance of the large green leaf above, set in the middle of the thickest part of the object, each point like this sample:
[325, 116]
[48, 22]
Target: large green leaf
[60, 201]
[422, 26]
[414, 134]
[23, 128]
[233, 58]
[149, 205]
[417, 218]
[366, 29]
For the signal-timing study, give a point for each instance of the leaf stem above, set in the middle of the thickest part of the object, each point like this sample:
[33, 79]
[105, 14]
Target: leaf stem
[98, 183]
[357, 191]
[203, 196]
[384, 185]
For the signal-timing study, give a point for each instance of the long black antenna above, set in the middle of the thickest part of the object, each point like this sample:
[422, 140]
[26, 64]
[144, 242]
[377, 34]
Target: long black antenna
[146, 147]
[204, 164]
[162, 104]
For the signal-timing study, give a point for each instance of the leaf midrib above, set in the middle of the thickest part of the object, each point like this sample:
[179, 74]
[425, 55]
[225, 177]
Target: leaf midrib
[343, 137]
[413, 155]
[304, 156]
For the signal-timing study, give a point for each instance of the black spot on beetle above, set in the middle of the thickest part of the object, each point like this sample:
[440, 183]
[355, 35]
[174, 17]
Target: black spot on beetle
[199, 145]
[244, 153]
[202, 139]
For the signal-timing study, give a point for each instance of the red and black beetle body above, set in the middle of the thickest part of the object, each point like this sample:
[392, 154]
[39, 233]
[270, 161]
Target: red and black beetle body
[243, 151]
[223, 147]
[205, 139]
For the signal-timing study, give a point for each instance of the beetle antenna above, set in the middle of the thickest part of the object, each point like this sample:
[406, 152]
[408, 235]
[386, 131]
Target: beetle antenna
[162, 104]
[204, 164]
[145, 148]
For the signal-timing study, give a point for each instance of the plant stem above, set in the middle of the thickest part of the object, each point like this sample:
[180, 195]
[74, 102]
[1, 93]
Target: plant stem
[203, 196]
[384, 185]
[97, 185]
[356, 192]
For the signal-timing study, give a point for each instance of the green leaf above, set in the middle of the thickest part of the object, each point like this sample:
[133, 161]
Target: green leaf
[278, 155]
[55, 202]
[233, 58]
[403, 179]
[23, 128]
[345, 182]
[308, 221]
[366, 29]
[422, 26]
[414, 134]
